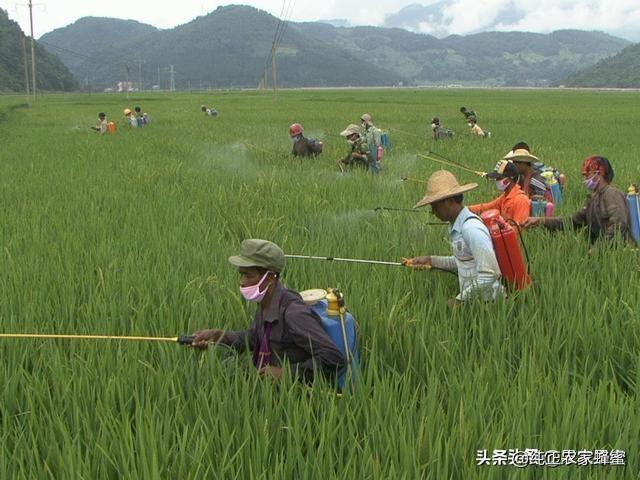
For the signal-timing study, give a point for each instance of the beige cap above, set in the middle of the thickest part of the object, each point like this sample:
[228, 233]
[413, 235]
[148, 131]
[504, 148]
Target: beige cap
[350, 130]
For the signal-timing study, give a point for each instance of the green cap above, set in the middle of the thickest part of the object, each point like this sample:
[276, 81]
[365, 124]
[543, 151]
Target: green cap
[259, 253]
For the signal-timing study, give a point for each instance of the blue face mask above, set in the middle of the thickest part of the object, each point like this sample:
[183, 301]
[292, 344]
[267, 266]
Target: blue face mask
[592, 182]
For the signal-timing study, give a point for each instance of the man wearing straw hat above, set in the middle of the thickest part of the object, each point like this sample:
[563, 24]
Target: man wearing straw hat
[473, 259]
[285, 329]
[530, 180]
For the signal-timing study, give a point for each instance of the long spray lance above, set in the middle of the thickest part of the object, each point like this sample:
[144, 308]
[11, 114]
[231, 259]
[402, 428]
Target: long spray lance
[406, 262]
[452, 164]
[349, 260]
[181, 340]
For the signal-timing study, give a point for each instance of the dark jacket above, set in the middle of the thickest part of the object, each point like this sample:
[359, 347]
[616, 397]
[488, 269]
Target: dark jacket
[306, 148]
[535, 186]
[297, 336]
[606, 214]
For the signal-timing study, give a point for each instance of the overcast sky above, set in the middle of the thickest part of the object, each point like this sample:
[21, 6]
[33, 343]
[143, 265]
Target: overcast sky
[618, 17]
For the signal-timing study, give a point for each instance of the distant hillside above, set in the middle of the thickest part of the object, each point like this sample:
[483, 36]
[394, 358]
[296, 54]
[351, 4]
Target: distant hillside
[91, 35]
[51, 73]
[621, 71]
[228, 48]
[494, 58]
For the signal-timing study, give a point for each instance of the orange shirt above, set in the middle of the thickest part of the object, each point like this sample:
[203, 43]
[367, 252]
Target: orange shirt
[515, 205]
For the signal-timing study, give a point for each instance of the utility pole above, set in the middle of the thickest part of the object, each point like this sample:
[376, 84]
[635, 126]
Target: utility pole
[26, 68]
[172, 79]
[273, 68]
[159, 77]
[140, 74]
[33, 53]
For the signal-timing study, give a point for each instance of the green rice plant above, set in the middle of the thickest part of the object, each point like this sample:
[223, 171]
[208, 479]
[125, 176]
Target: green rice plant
[129, 235]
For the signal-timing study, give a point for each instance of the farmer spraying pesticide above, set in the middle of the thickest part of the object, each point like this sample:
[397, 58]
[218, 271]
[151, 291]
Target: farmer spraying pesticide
[285, 330]
[513, 204]
[372, 136]
[209, 111]
[104, 126]
[439, 132]
[302, 146]
[474, 259]
[606, 213]
[360, 153]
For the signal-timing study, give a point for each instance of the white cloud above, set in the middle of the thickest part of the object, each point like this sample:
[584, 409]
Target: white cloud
[620, 17]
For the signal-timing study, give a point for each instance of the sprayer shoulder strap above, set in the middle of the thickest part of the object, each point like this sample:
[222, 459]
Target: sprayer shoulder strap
[472, 217]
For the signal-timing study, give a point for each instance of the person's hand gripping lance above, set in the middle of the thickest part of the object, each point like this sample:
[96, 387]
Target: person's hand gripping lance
[418, 263]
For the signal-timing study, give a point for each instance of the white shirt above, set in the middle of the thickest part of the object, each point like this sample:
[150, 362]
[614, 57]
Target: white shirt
[474, 259]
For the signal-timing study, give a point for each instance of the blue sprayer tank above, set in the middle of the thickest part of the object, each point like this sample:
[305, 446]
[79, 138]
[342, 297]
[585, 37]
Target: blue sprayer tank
[633, 199]
[333, 314]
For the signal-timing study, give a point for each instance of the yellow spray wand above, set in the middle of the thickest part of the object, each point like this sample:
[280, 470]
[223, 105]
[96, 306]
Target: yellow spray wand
[452, 164]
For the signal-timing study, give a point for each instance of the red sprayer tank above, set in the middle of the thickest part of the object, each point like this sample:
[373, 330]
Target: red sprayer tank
[507, 247]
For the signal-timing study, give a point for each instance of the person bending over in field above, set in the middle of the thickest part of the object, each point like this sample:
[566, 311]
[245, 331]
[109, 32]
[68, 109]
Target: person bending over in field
[531, 182]
[130, 117]
[143, 119]
[103, 125]
[467, 112]
[302, 146]
[439, 132]
[209, 112]
[476, 129]
[360, 153]
[513, 203]
[474, 259]
[285, 330]
[606, 213]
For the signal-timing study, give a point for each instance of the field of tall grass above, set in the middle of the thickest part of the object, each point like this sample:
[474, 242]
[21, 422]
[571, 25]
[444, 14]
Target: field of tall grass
[130, 234]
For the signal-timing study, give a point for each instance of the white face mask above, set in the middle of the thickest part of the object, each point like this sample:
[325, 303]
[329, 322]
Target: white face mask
[503, 184]
[470, 124]
[433, 126]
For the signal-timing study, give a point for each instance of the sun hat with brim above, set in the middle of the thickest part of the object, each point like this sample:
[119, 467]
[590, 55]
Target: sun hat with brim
[366, 118]
[259, 253]
[350, 130]
[441, 185]
[521, 155]
[504, 169]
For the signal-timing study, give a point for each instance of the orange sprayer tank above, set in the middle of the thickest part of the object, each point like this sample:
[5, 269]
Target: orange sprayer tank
[507, 247]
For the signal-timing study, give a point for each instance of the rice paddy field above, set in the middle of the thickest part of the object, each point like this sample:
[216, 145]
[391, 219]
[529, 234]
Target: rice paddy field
[129, 235]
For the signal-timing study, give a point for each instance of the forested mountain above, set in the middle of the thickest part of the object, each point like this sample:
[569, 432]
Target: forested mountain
[621, 71]
[51, 73]
[230, 46]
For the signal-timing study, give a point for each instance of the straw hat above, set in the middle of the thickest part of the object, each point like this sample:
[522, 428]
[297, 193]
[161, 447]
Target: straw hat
[443, 184]
[350, 130]
[366, 118]
[521, 155]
